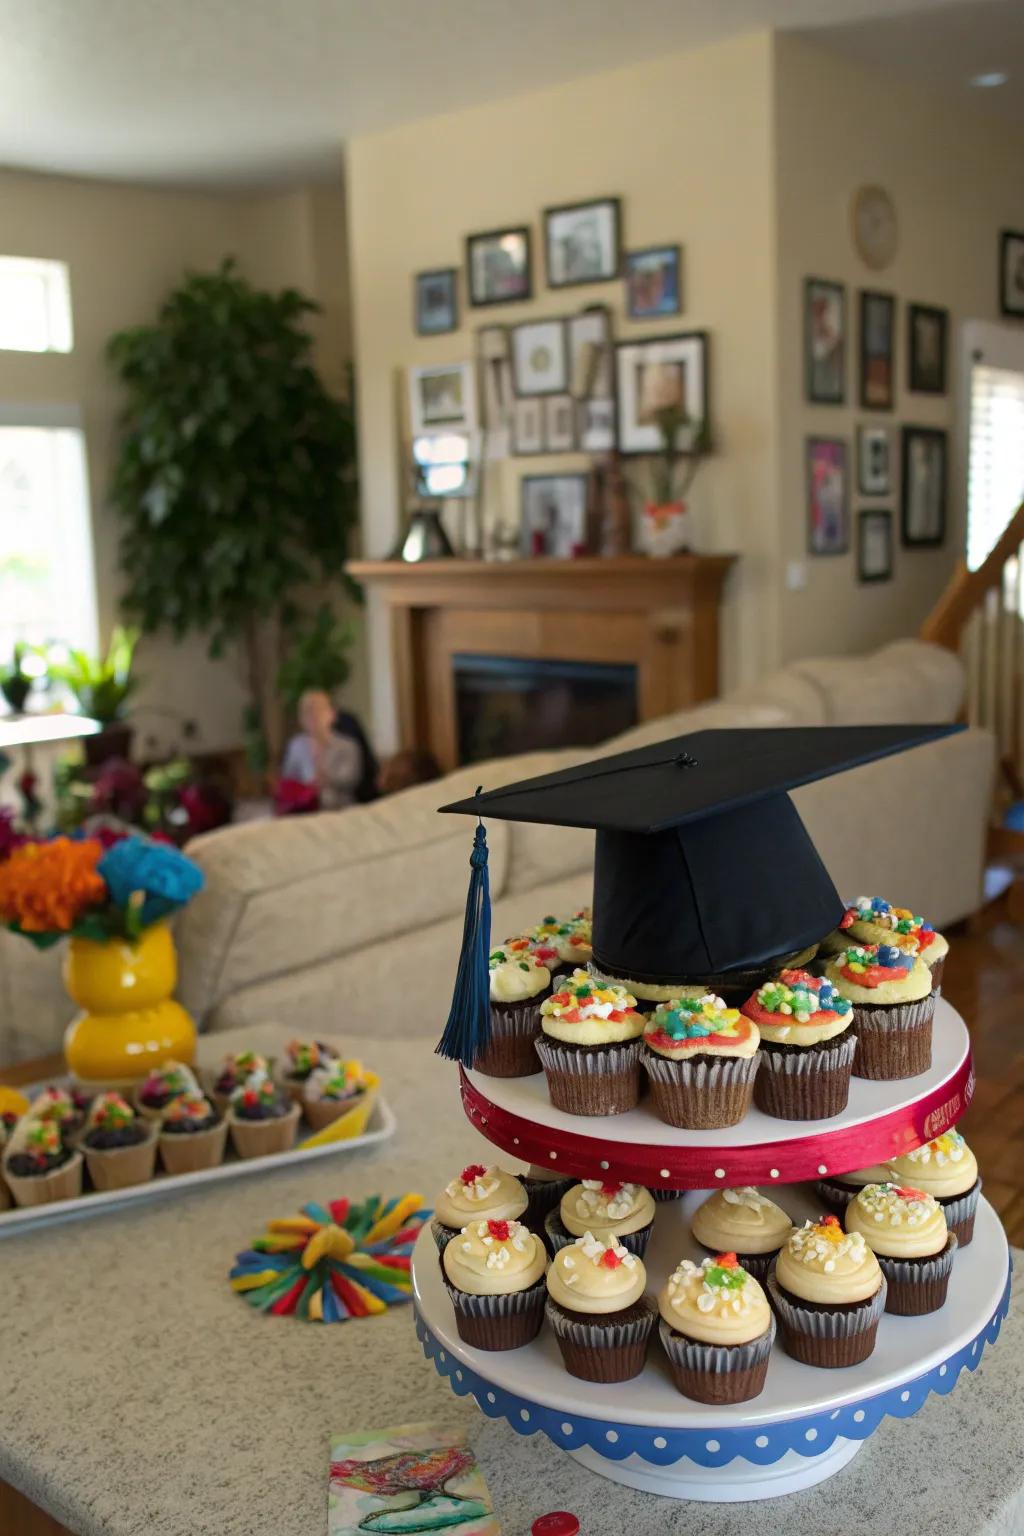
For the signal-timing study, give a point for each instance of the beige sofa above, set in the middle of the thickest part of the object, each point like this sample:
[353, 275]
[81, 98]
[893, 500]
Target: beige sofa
[351, 920]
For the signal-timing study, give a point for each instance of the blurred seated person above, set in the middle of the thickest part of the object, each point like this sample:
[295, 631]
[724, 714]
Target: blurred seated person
[324, 768]
[404, 769]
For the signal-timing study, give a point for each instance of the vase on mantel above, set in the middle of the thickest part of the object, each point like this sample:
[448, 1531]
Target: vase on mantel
[665, 528]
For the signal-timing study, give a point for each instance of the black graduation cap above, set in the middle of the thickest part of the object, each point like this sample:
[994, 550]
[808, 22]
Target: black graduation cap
[703, 869]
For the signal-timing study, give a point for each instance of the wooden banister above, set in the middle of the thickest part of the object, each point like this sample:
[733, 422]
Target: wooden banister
[967, 589]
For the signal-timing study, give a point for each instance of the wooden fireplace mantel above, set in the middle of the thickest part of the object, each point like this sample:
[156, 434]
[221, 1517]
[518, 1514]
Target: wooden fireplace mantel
[660, 615]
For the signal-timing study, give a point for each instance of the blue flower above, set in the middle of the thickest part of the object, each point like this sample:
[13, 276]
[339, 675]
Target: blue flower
[166, 877]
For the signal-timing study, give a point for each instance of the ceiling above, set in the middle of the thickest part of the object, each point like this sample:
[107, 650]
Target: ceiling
[261, 92]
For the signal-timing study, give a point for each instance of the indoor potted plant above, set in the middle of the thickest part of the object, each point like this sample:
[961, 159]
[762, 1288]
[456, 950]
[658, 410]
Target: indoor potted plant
[102, 687]
[674, 468]
[15, 682]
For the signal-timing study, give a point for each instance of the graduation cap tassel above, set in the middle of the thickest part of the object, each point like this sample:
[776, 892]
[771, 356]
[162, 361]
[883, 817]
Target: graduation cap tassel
[468, 1031]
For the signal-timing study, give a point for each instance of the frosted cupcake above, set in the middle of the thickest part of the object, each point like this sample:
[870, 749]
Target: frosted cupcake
[744, 1222]
[192, 1135]
[160, 1086]
[477, 1193]
[717, 1330]
[262, 1118]
[569, 938]
[494, 1275]
[945, 1168]
[119, 1145]
[873, 920]
[837, 1192]
[331, 1091]
[893, 1004]
[606, 1208]
[233, 1072]
[648, 994]
[301, 1059]
[807, 1047]
[828, 1293]
[597, 1309]
[701, 1059]
[58, 1105]
[519, 982]
[38, 1165]
[906, 1229]
[590, 1047]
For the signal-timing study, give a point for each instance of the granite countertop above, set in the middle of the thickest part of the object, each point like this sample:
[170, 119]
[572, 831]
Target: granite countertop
[143, 1396]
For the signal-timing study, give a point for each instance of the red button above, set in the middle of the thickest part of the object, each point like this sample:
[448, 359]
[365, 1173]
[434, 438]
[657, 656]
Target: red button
[558, 1523]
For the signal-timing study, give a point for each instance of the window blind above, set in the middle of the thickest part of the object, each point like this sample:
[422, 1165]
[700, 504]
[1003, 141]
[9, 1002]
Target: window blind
[995, 465]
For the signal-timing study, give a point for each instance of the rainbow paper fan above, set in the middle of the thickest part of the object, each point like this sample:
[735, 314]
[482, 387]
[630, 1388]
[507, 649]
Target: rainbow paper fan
[333, 1262]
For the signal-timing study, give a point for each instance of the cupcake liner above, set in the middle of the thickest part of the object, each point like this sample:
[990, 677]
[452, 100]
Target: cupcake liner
[558, 1236]
[594, 1349]
[919, 1285]
[828, 1337]
[442, 1235]
[895, 1041]
[601, 1081]
[701, 1095]
[807, 1084]
[64, 1183]
[261, 1138]
[192, 1150]
[295, 1088]
[510, 1052]
[147, 1111]
[713, 1373]
[937, 970]
[667, 1194]
[121, 1167]
[506, 1321]
[960, 1212]
[323, 1112]
[543, 1196]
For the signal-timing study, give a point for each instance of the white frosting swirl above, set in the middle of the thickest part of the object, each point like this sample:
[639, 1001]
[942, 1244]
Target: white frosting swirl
[595, 1277]
[516, 978]
[606, 1209]
[483, 1261]
[487, 1192]
[945, 1167]
[741, 1221]
[715, 1304]
[897, 1222]
[824, 1264]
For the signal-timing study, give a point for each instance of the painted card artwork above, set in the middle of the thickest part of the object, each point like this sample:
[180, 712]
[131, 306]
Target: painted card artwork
[417, 1477]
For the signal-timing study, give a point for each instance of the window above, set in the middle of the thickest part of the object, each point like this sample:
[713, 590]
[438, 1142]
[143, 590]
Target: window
[35, 305]
[995, 458]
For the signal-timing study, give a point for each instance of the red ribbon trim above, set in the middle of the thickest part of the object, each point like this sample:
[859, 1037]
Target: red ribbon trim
[692, 1167]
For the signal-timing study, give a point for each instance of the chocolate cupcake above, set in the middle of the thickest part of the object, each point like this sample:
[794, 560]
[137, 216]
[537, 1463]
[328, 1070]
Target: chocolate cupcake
[717, 1330]
[331, 1091]
[947, 1169]
[163, 1084]
[262, 1118]
[807, 1047]
[301, 1059]
[494, 1274]
[608, 1209]
[477, 1194]
[906, 1230]
[598, 1311]
[701, 1059]
[590, 1047]
[192, 1135]
[119, 1145]
[744, 1222]
[828, 1294]
[519, 982]
[38, 1165]
[838, 1191]
[233, 1072]
[893, 1004]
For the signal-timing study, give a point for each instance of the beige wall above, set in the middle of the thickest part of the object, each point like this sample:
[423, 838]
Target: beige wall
[956, 179]
[685, 141]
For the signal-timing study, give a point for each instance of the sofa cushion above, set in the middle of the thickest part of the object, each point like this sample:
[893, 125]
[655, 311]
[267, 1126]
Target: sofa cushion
[908, 682]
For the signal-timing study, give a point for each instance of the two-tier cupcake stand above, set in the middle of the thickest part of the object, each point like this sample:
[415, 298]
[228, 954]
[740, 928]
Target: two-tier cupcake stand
[808, 1422]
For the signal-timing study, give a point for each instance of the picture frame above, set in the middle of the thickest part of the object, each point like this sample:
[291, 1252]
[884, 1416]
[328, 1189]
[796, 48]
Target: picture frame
[583, 242]
[596, 425]
[924, 486]
[653, 282]
[540, 358]
[1011, 273]
[442, 398]
[874, 544]
[877, 360]
[553, 515]
[435, 302]
[659, 363]
[824, 341]
[591, 362]
[494, 369]
[499, 268]
[927, 343]
[527, 431]
[559, 424]
[828, 496]
[874, 461]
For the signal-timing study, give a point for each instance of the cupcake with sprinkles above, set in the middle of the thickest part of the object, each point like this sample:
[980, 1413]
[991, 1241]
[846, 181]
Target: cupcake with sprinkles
[519, 982]
[160, 1086]
[873, 920]
[301, 1059]
[38, 1165]
[947, 1169]
[893, 1006]
[606, 1208]
[119, 1145]
[192, 1135]
[233, 1072]
[828, 1293]
[649, 994]
[701, 1059]
[494, 1274]
[477, 1193]
[598, 1309]
[590, 1047]
[717, 1330]
[563, 944]
[262, 1118]
[807, 1047]
[332, 1090]
[60, 1106]
[906, 1230]
[745, 1222]
[837, 1192]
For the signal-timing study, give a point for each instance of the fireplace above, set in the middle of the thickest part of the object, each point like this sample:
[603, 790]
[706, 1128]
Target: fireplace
[507, 704]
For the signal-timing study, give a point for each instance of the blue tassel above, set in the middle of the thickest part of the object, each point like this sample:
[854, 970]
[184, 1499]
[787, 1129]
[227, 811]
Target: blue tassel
[468, 1031]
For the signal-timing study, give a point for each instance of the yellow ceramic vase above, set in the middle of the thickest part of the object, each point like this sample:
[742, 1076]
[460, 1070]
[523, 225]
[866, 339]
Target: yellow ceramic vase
[129, 1021]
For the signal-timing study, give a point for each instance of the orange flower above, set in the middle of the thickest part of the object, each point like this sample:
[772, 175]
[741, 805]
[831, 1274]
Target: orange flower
[45, 887]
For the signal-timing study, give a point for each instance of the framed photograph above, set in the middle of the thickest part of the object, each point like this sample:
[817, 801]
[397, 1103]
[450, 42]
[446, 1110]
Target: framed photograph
[664, 371]
[527, 426]
[583, 242]
[874, 456]
[498, 267]
[1011, 273]
[559, 424]
[926, 349]
[923, 514]
[652, 282]
[540, 358]
[442, 399]
[828, 497]
[877, 351]
[824, 341]
[874, 545]
[434, 303]
[591, 371]
[554, 514]
[596, 425]
[494, 367]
